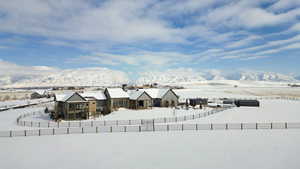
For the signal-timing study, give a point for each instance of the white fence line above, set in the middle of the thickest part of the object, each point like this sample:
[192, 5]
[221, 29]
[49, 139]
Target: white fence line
[151, 127]
[94, 123]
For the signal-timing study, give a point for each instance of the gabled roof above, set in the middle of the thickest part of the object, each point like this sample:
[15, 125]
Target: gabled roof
[117, 93]
[40, 92]
[98, 95]
[64, 97]
[135, 94]
[156, 93]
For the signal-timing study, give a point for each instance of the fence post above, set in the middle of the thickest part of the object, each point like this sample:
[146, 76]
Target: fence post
[241, 126]
[80, 123]
[53, 131]
[117, 122]
[196, 126]
[182, 126]
[48, 124]
[271, 125]
[153, 125]
[285, 125]
[168, 128]
[111, 129]
[82, 130]
[125, 129]
[139, 128]
[211, 126]
[104, 123]
[39, 124]
[68, 132]
[39, 132]
[165, 120]
[226, 126]
[256, 126]
[176, 119]
[25, 133]
[129, 122]
[57, 124]
[92, 124]
[96, 129]
[10, 133]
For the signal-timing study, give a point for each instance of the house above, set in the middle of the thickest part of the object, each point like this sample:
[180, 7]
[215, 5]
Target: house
[75, 106]
[97, 102]
[139, 99]
[71, 106]
[162, 97]
[116, 98]
[38, 94]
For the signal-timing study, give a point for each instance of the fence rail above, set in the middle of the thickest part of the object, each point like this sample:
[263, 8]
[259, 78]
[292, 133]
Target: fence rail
[94, 123]
[151, 127]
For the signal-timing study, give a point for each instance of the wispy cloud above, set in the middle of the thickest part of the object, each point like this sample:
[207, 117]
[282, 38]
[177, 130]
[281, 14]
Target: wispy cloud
[153, 33]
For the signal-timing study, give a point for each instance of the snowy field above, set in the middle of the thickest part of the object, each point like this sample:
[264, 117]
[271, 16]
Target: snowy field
[239, 92]
[14, 103]
[269, 111]
[8, 118]
[126, 114]
[263, 149]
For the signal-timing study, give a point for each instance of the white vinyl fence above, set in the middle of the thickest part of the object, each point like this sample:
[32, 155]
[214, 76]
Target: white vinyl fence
[94, 123]
[150, 127]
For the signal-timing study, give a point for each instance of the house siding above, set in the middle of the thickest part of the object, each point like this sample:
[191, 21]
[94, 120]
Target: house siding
[169, 99]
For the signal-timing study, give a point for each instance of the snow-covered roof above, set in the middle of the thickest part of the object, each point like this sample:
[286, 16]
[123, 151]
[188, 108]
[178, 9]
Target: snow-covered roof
[40, 92]
[155, 93]
[63, 97]
[117, 93]
[98, 95]
[135, 94]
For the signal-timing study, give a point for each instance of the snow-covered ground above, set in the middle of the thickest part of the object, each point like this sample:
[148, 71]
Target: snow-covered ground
[239, 92]
[269, 111]
[13, 103]
[126, 114]
[8, 118]
[263, 149]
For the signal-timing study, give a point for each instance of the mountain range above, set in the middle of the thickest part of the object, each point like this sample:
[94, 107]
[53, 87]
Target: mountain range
[41, 76]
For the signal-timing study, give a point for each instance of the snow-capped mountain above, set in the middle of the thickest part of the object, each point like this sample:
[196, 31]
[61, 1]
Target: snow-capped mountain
[170, 76]
[12, 75]
[189, 75]
[260, 76]
[74, 77]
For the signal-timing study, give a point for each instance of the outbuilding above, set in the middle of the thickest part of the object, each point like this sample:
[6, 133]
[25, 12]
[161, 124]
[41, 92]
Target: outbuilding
[249, 103]
[38, 94]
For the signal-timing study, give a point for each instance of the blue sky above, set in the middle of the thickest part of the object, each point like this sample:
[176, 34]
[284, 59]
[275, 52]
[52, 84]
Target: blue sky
[146, 35]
